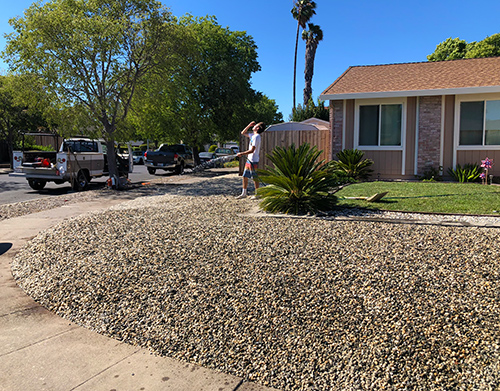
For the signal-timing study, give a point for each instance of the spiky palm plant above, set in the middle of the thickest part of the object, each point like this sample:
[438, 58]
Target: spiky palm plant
[468, 173]
[351, 163]
[297, 183]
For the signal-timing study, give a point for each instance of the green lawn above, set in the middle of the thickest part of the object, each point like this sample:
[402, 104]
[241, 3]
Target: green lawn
[468, 198]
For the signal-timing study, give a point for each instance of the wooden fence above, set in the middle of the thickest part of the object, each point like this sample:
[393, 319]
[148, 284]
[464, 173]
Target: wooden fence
[284, 138]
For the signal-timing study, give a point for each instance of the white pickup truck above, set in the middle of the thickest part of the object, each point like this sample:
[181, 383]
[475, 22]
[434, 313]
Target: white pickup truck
[78, 161]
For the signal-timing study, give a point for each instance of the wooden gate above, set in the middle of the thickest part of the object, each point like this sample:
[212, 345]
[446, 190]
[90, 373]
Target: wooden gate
[284, 138]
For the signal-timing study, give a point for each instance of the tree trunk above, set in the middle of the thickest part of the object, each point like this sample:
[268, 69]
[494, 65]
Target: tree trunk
[10, 148]
[309, 70]
[196, 155]
[112, 166]
[295, 64]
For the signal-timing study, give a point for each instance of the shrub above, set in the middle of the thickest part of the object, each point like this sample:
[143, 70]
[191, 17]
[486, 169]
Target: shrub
[467, 173]
[311, 110]
[297, 184]
[234, 163]
[431, 174]
[212, 148]
[350, 163]
[35, 147]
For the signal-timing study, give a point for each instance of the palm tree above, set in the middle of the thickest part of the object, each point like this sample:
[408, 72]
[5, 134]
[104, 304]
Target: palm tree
[312, 38]
[302, 12]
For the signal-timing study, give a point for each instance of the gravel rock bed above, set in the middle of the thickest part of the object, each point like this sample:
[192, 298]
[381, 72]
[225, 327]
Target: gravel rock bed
[9, 211]
[155, 187]
[296, 304]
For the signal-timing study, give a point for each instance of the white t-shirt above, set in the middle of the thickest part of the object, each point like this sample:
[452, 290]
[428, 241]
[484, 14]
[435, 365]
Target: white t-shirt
[255, 141]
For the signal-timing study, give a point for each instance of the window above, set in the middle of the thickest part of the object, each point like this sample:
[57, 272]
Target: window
[176, 148]
[480, 123]
[380, 125]
[80, 146]
[492, 126]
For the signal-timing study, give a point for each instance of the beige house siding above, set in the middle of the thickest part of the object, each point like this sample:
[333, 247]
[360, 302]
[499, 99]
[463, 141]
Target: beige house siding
[475, 156]
[386, 164]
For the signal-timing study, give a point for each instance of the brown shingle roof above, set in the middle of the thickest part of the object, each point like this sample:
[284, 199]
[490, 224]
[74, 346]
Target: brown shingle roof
[470, 73]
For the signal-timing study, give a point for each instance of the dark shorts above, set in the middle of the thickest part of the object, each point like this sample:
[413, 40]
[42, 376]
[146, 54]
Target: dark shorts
[250, 170]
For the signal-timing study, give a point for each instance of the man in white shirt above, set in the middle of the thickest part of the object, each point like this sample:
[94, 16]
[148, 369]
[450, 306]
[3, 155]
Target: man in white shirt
[252, 155]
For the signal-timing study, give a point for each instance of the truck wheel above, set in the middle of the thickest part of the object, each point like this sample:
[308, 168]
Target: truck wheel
[37, 184]
[152, 171]
[179, 169]
[81, 183]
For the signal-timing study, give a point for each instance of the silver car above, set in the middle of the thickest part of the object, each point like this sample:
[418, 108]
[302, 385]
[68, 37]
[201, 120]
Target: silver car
[138, 157]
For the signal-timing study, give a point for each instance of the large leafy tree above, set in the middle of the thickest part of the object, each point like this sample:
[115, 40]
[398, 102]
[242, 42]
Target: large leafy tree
[312, 36]
[23, 104]
[208, 91]
[91, 54]
[450, 49]
[263, 109]
[311, 110]
[302, 12]
[456, 48]
[488, 47]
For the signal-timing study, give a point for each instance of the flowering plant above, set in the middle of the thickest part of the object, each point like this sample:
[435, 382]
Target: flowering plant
[486, 164]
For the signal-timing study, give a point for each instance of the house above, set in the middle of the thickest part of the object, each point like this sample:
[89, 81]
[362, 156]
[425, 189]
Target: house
[410, 117]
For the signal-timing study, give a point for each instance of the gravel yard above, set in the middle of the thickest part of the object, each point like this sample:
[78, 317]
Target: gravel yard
[296, 304]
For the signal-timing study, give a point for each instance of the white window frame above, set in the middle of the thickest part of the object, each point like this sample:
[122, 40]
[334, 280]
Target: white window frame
[472, 98]
[374, 102]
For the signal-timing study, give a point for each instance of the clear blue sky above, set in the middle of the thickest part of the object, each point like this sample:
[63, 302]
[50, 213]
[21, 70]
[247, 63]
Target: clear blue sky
[355, 33]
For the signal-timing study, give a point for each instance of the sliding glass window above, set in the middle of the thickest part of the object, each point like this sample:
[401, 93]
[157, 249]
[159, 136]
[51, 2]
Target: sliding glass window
[380, 125]
[480, 123]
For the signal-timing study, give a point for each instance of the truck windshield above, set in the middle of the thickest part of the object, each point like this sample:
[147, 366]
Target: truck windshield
[172, 148]
[80, 146]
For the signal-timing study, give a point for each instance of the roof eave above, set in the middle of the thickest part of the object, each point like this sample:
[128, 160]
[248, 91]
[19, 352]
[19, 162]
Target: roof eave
[400, 94]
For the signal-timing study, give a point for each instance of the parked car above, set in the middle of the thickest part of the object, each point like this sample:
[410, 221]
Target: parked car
[174, 157]
[206, 156]
[224, 152]
[138, 157]
[235, 149]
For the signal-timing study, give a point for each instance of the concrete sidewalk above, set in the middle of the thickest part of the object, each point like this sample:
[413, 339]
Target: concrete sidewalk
[41, 351]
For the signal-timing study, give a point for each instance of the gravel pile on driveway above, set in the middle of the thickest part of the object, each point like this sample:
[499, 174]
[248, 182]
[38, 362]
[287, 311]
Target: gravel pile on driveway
[9, 211]
[158, 185]
[296, 304]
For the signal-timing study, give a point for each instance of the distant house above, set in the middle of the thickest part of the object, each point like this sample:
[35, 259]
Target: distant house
[409, 117]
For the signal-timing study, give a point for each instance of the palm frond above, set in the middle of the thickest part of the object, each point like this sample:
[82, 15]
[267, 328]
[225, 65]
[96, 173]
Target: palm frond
[298, 182]
[351, 163]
